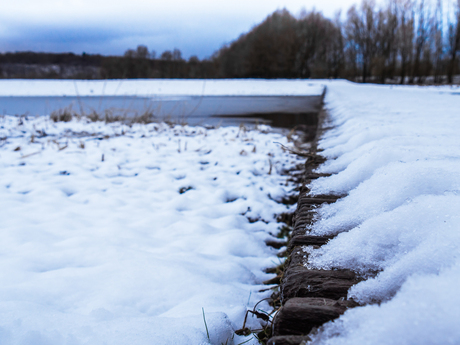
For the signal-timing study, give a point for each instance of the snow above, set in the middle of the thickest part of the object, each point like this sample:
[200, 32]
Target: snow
[98, 245]
[172, 88]
[95, 252]
[394, 154]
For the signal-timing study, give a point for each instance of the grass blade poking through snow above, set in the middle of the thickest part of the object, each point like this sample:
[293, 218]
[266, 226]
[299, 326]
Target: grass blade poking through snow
[205, 325]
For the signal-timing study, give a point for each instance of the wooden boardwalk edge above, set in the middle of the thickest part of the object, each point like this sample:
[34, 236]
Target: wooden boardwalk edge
[309, 297]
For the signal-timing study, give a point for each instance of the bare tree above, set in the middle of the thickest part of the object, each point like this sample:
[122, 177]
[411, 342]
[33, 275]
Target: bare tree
[453, 41]
[336, 56]
[142, 52]
[386, 34]
[437, 37]
[271, 48]
[360, 31]
[316, 36]
[130, 53]
[167, 55]
[406, 35]
[421, 39]
[177, 55]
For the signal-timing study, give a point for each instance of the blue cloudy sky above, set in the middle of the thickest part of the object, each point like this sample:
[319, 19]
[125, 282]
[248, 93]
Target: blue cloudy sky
[197, 27]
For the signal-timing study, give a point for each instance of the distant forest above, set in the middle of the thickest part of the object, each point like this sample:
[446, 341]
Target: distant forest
[403, 41]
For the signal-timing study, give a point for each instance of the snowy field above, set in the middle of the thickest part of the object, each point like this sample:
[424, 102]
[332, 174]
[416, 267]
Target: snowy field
[395, 153]
[175, 88]
[121, 235]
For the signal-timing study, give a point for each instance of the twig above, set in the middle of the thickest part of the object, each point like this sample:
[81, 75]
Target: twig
[30, 154]
[296, 152]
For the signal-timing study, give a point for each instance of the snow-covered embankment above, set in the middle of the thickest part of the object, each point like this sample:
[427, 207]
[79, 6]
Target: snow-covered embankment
[395, 152]
[159, 87]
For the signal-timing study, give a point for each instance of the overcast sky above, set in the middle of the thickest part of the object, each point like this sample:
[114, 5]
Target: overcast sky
[197, 27]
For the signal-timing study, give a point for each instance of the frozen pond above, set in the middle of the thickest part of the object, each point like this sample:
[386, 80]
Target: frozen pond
[281, 103]
[280, 111]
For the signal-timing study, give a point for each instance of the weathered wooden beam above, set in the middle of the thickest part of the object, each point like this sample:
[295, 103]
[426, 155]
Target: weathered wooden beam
[299, 281]
[308, 240]
[300, 315]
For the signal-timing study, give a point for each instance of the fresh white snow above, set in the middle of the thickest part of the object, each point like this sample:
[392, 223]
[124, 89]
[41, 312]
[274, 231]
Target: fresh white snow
[175, 88]
[395, 153]
[95, 252]
[109, 251]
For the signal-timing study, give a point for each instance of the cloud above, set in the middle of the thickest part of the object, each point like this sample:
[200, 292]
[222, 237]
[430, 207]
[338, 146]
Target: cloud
[192, 36]
[109, 40]
[110, 27]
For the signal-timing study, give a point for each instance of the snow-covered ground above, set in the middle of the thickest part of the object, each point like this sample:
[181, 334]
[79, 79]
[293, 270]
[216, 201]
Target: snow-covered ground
[96, 251]
[160, 87]
[395, 153]
[112, 234]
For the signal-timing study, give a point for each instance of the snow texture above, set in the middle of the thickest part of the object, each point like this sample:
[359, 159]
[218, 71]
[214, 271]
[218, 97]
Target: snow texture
[159, 88]
[395, 153]
[121, 235]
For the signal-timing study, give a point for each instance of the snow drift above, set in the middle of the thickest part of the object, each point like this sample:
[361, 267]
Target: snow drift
[394, 152]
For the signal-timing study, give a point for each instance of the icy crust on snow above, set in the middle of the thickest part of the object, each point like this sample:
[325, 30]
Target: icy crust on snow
[395, 153]
[160, 87]
[111, 252]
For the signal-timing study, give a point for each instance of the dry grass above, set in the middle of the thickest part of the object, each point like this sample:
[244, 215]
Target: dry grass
[125, 116]
[122, 115]
[64, 115]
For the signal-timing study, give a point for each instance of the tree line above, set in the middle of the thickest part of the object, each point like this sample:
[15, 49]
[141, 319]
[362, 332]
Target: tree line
[135, 63]
[400, 41]
[403, 41]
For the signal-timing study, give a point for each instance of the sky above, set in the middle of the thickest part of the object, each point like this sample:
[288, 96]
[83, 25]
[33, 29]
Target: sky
[198, 27]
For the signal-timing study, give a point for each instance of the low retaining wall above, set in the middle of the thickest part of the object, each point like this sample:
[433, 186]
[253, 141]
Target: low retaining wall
[309, 297]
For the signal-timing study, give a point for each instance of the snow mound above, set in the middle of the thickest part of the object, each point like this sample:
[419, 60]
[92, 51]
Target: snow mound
[394, 153]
